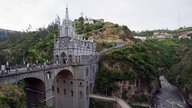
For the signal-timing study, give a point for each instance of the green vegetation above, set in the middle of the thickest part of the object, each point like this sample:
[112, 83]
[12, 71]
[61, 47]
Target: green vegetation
[101, 45]
[131, 63]
[31, 46]
[11, 96]
[173, 32]
[144, 33]
[86, 29]
[94, 103]
[181, 73]
[136, 57]
[145, 61]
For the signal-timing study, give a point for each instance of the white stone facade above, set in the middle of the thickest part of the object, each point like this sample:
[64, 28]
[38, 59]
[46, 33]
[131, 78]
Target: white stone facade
[71, 48]
[72, 86]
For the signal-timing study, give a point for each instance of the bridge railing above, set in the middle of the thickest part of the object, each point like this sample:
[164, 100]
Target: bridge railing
[37, 67]
[120, 101]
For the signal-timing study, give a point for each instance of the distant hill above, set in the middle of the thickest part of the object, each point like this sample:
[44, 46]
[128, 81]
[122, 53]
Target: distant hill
[176, 32]
[4, 34]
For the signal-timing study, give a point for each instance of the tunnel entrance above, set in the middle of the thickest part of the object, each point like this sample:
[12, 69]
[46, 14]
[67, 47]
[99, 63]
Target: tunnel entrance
[35, 92]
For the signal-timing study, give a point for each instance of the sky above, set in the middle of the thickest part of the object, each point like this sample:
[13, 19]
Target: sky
[138, 15]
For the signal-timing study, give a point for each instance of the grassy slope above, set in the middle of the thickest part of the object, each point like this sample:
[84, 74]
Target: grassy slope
[11, 96]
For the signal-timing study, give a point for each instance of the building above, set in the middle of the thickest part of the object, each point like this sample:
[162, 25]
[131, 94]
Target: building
[70, 47]
[71, 89]
[92, 21]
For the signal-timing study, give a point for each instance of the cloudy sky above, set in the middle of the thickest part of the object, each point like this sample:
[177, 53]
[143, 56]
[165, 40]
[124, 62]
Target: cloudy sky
[136, 14]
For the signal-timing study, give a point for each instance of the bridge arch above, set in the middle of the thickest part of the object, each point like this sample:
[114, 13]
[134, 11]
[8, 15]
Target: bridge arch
[63, 88]
[35, 91]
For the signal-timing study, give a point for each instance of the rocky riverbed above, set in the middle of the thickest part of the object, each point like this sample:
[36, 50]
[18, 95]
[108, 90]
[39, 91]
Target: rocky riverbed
[168, 96]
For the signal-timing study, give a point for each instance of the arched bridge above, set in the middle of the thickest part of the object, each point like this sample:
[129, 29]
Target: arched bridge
[69, 84]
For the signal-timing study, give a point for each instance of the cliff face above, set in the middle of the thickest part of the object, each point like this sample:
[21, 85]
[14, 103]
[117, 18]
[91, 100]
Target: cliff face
[129, 72]
[180, 75]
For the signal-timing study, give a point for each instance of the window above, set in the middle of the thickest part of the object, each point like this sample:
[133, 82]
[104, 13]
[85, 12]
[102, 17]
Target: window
[71, 93]
[80, 83]
[76, 59]
[71, 82]
[81, 94]
[53, 88]
[48, 75]
[66, 31]
[70, 57]
[87, 90]
[63, 81]
[57, 80]
[87, 72]
[57, 90]
[93, 69]
[79, 59]
[64, 92]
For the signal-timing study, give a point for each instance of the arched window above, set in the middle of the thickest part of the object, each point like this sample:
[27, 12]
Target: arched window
[66, 31]
[64, 92]
[87, 90]
[91, 88]
[48, 75]
[63, 58]
[53, 88]
[75, 59]
[58, 90]
[57, 59]
[87, 72]
[71, 59]
[79, 59]
[71, 93]
[80, 94]
[93, 69]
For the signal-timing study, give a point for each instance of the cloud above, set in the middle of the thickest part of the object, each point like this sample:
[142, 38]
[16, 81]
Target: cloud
[136, 14]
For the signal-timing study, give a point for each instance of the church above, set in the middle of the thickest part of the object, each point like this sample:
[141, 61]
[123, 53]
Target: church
[71, 48]
[73, 85]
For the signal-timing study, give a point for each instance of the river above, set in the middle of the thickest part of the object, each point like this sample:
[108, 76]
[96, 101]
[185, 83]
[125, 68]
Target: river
[168, 97]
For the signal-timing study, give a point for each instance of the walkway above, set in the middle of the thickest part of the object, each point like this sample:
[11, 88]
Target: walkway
[120, 101]
[35, 67]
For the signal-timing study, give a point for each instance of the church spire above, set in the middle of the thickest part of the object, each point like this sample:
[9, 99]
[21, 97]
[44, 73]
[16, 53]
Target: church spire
[66, 13]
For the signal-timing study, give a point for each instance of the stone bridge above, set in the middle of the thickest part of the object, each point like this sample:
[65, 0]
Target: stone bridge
[54, 84]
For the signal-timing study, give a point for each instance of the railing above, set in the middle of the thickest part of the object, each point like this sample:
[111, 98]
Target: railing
[37, 67]
[114, 47]
[120, 101]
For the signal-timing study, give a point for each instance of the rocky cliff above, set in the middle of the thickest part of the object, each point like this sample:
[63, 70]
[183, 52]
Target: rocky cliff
[130, 72]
